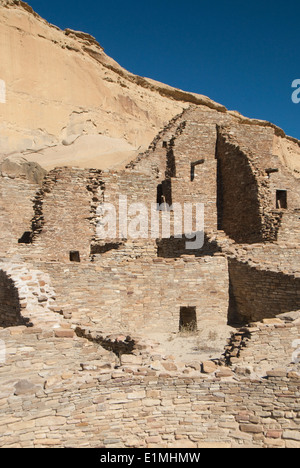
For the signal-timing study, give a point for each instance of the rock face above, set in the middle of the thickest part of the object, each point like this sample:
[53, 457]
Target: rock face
[63, 101]
[16, 166]
[58, 86]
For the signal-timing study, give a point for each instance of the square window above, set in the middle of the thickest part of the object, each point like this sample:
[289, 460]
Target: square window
[74, 256]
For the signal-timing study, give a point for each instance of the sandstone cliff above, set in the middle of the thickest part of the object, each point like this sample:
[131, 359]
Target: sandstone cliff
[63, 101]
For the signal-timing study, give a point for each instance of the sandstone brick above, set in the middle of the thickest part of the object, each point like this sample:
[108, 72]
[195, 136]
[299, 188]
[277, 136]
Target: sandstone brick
[50, 421]
[273, 434]
[137, 395]
[151, 402]
[64, 333]
[24, 387]
[272, 442]
[253, 428]
[276, 373]
[291, 434]
[169, 366]
[46, 442]
[225, 372]
[272, 321]
[289, 443]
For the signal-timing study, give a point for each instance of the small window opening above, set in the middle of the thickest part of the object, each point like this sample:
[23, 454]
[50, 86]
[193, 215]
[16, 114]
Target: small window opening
[74, 256]
[26, 238]
[160, 198]
[192, 172]
[281, 199]
[271, 170]
[188, 319]
[193, 165]
[160, 195]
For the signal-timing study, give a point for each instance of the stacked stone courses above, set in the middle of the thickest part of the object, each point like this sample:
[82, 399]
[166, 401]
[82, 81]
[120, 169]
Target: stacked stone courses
[82, 358]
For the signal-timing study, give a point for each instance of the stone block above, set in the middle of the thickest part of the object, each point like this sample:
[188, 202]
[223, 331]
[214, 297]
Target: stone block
[169, 366]
[24, 387]
[209, 367]
[64, 333]
[291, 434]
[128, 359]
[273, 434]
[252, 428]
[271, 442]
[277, 373]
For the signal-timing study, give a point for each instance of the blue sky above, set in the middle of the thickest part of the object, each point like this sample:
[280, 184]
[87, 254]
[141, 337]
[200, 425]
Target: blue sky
[244, 55]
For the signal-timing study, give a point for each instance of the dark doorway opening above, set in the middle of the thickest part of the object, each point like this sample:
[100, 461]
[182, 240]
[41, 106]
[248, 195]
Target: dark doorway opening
[281, 199]
[160, 195]
[74, 256]
[188, 319]
[164, 196]
[193, 165]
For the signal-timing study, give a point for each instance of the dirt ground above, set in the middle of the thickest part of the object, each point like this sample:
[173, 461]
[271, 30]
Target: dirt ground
[208, 342]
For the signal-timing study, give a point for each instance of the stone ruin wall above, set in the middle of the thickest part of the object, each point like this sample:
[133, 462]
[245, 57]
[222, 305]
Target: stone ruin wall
[253, 349]
[62, 211]
[27, 296]
[140, 296]
[64, 217]
[16, 211]
[290, 228]
[260, 294]
[130, 285]
[245, 209]
[254, 215]
[156, 412]
[59, 398]
[65, 385]
[9, 302]
[66, 204]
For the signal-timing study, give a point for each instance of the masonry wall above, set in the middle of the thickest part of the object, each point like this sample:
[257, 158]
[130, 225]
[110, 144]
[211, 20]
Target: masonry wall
[16, 211]
[67, 211]
[256, 349]
[10, 309]
[142, 188]
[176, 247]
[156, 413]
[238, 194]
[258, 293]
[141, 295]
[194, 179]
[249, 176]
[289, 231]
[276, 257]
[231, 181]
[134, 188]
[59, 390]
[64, 208]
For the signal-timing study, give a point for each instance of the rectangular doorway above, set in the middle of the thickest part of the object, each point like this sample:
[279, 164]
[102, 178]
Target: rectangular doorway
[281, 199]
[188, 319]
